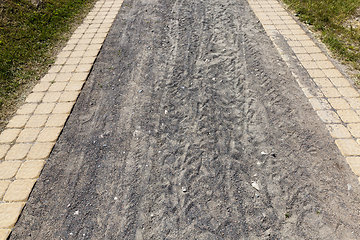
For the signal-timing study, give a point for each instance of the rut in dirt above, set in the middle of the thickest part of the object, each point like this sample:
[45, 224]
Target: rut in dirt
[191, 126]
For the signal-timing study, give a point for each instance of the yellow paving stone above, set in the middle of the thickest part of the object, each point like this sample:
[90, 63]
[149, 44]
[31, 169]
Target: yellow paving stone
[57, 120]
[340, 82]
[331, 92]
[70, 96]
[44, 108]
[312, 49]
[338, 131]
[348, 116]
[37, 121]
[68, 68]
[328, 116]
[9, 135]
[304, 56]
[18, 151]
[49, 134]
[4, 233]
[331, 73]
[81, 47]
[94, 47]
[19, 190]
[323, 82]
[30, 169]
[83, 67]
[63, 107]
[319, 103]
[339, 103]
[316, 73]
[77, 54]
[85, 41]
[354, 102]
[4, 184]
[319, 56]
[69, 47]
[28, 135]
[55, 69]
[49, 77]
[27, 108]
[9, 213]
[73, 61]
[40, 151]
[60, 61]
[34, 97]
[80, 77]
[74, 86]
[88, 35]
[63, 77]
[87, 60]
[91, 52]
[97, 40]
[52, 97]
[325, 64]
[354, 163]
[8, 169]
[57, 86]
[348, 92]
[309, 64]
[298, 50]
[354, 129]
[348, 147]
[3, 150]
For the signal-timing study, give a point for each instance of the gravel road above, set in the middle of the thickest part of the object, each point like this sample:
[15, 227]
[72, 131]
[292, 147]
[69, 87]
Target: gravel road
[191, 126]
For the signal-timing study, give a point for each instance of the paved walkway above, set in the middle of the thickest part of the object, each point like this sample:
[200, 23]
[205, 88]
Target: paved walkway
[196, 121]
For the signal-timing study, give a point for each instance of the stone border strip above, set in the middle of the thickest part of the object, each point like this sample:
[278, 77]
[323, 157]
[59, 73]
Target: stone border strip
[335, 100]
[30, 135]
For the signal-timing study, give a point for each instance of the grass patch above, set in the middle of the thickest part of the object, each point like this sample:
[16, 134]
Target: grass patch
[29, 37]
[337, 21]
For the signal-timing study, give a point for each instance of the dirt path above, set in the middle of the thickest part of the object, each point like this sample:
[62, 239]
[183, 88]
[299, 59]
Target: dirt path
[191, 126]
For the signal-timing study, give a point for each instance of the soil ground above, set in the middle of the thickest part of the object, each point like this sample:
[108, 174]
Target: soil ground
[191, 126]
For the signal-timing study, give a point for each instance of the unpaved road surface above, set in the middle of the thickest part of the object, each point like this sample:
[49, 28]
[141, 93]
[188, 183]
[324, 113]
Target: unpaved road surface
[191, 126]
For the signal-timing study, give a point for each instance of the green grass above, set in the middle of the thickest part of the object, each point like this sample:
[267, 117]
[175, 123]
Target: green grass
[332, 18]
[29, 36]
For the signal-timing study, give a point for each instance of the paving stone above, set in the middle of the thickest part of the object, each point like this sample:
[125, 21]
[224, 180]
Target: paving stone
[19, 190]
[316, 73]
[36, 121]
[354, 129]
[57, 86]
[338, 131]
[49, 134]
[79, 77]
[51, 97]
[319, 57]
[87, 60]
[330, 73]
[27, 108]
[44, 108]
[8, 169]
[325, 64]
[40, 151]
[310, 49]
[9, 135]
[74, 86]
[348, 147]
[331, 92]
[81, 47]
[319, 103]
[328, 116]
[84, 68]
[9, 213]
[68, 68]
[55, 69]
[56, 120]
[34, 97]
[339, 103]
[77, 54]
[354, 102]
[63, 107]
[349, 116]
[3, 150]
[348, 92]
[4, 233]
[73, 61]
[340, 82]
[323, 82]
[354, 163]
[4, 184]
[30, 169]
[28, 135]
[91, 52]
[18, 151]
[309, 64]
[70, 96]
[63, 77]
[49, 77]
